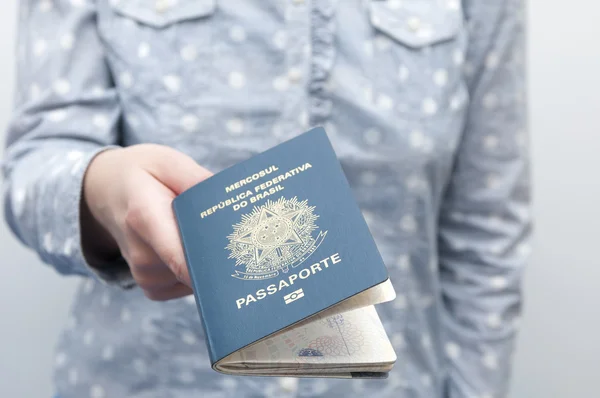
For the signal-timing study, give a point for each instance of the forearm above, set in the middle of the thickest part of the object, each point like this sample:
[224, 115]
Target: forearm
[485, 219]
[43, 200]
[67, 111]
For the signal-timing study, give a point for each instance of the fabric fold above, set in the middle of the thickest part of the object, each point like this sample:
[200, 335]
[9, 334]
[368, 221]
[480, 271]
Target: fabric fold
[323, 57]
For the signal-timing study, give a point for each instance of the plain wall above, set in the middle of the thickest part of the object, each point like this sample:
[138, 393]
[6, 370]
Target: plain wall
[559, 347]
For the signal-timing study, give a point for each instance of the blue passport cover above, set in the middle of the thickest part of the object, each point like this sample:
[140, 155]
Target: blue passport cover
[273, 240]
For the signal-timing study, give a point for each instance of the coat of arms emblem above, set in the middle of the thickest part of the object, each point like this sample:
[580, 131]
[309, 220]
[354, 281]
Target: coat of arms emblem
[274, 237]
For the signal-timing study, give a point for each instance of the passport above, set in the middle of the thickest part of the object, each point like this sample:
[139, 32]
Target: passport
[285, 271]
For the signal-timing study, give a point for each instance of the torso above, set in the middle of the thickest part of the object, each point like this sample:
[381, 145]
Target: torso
[225, 80]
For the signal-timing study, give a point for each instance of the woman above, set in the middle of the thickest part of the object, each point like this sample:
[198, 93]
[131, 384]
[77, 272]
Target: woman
[122, 105]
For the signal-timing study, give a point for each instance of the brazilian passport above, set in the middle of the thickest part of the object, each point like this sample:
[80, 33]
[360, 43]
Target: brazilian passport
[284, 269]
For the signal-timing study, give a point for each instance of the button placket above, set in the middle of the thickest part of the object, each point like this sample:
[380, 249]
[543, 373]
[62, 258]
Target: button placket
[297, 62]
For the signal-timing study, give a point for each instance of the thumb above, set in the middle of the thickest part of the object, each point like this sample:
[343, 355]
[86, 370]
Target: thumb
[176, 170]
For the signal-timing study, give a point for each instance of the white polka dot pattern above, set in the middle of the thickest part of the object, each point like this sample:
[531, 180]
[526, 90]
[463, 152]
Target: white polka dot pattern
[425, 109]
[237, 80]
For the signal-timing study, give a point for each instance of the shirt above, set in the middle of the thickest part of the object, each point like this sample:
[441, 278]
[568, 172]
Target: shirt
[423, 100]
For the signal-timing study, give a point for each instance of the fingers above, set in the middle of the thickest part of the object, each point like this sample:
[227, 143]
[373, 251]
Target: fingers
[155, 225]
[174, 292]
[176, 171]
[155, 279]
[137, 211]
[151, 215]
[146, 266]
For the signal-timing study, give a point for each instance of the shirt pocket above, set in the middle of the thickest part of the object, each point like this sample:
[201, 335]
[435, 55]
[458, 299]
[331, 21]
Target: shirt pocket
[162, 13]
[161, 51]
[417, 23]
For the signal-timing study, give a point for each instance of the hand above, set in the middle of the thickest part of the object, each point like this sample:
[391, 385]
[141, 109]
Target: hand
[126, 209]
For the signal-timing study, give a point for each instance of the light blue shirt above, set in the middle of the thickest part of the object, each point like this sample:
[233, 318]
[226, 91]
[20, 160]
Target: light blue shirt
[423, 101]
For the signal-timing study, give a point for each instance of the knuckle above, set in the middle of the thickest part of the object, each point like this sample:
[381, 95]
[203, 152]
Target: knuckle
[146, 285]
[179, 273]
[182, 274]
[138, 258]
[175, 263]
[154, 295]
[135, 215]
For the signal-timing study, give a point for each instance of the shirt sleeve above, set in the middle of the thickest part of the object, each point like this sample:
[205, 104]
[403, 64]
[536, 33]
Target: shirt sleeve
[484, 224]
[66, 112]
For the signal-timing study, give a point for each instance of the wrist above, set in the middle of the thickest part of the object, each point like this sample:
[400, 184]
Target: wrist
[99, 247]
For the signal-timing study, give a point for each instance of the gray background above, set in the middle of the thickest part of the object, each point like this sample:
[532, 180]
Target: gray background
[559, 346]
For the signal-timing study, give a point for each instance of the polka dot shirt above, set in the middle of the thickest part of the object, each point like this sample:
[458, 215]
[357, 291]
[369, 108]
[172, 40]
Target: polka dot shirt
[423, 101]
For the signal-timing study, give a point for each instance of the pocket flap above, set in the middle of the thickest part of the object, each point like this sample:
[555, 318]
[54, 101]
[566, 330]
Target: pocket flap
[416, 23]
[161, 13]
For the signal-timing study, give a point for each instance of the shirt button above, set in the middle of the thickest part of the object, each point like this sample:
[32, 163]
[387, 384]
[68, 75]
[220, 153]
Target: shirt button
[288, 384]
[161, 6]
[414, 23]
[295, 75]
